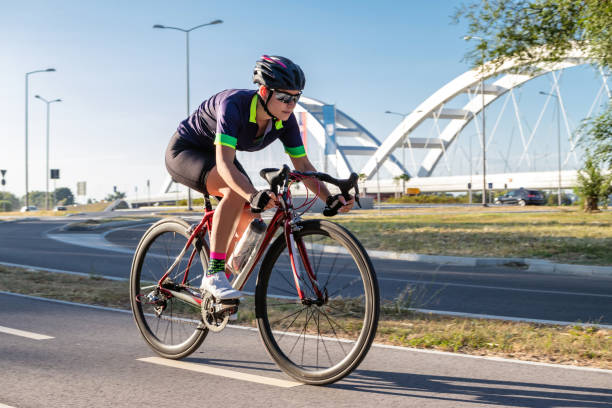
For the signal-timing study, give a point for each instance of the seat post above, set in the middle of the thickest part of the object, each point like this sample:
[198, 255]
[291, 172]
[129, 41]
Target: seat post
[207, 204]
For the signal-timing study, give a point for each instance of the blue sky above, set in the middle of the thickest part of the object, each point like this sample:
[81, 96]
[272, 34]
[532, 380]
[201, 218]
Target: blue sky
[123, 83]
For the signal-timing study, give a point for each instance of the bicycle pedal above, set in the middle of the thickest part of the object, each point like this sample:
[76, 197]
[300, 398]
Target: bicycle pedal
[226, 308]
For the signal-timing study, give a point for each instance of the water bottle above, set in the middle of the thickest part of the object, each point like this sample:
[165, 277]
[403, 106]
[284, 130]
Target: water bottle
[247, 247]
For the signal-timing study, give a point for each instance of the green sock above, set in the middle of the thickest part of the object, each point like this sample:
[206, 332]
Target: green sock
[216, 266]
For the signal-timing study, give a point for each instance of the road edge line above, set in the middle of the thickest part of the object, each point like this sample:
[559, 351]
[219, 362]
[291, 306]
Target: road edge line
[377, 345]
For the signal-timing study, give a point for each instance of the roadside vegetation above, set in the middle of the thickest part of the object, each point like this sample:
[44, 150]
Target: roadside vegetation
[576, 345]
[566, 236]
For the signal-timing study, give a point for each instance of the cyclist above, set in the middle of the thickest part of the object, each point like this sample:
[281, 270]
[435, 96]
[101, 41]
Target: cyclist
[202, 156]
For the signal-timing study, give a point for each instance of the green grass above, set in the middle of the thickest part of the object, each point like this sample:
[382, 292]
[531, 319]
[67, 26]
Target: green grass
[567, 236]
[577, 345]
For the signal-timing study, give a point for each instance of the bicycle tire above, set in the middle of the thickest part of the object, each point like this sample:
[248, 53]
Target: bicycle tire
[156, 251]
[334, 239]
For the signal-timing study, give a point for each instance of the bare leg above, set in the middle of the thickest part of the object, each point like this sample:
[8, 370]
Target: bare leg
[231, 217]
[245, 219]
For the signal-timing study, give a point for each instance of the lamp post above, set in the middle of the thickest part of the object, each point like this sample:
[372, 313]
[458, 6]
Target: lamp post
[558, 144]
[27, 199]
[47, 171]
[403, 144]
[187, 54]
[388, 112]
[484, 146]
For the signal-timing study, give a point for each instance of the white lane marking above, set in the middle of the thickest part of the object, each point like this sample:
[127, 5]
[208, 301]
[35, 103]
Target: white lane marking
[442, 313]
[5, 406]
[377, 345]
[22, 333]
[206, 369]
[285, 268]
[94, 241]
[501, 359]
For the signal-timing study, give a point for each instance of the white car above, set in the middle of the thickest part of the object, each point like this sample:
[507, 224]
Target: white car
[29, 208]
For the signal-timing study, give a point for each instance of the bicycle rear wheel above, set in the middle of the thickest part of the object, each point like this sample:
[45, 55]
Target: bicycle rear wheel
[318, 344]
[172, 327]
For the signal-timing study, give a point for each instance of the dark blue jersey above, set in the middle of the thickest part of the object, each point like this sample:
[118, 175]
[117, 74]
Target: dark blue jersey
[229, 118]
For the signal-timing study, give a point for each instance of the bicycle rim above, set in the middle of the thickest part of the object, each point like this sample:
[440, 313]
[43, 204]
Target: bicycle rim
[318, 344]
[169, 325]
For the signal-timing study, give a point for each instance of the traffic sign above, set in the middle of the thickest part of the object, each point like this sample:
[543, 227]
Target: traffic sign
[81, 188]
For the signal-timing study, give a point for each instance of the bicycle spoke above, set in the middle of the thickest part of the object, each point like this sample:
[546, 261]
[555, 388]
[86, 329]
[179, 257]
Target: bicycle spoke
[284, 291]
[302, 331]
[175, 330]
[332, 328]
[340, 310]
[331, 332]
[286, 330]
[323, 342]
[344, 267]
[336, 323]
[282, 275]
[331, 271]
[351, 283]
[284, 303]
[287, 316]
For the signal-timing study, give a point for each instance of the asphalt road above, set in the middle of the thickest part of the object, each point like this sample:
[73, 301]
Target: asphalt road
[94, 359]
[498, 291]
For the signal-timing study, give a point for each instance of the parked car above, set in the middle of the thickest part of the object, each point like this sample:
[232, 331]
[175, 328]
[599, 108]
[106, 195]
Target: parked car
[59, 208]
[522, 197]
[29, 208]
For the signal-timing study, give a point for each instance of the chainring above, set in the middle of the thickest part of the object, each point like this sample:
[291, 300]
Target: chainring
[214, 319]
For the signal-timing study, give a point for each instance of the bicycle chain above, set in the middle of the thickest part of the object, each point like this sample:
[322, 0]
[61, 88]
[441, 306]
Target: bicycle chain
[181, 320]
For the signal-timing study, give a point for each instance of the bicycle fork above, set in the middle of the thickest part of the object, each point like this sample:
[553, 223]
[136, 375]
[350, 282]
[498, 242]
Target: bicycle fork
[297, 249]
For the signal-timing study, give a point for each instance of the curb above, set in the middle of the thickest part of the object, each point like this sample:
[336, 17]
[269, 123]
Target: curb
[530, 265]
[72, 227]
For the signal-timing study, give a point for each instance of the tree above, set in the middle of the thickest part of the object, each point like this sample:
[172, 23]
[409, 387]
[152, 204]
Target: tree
[516, 28]
[117, 195]
[593, 185]
[37, 198]
[404, 178]
[535, 31]
[8, 202]
[597, 137]
[63, 195]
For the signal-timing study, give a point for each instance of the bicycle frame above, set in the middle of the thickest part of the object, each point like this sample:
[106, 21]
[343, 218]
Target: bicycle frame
[285, 218]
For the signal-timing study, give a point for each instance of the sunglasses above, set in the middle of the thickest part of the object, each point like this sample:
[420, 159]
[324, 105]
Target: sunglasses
[285, 97]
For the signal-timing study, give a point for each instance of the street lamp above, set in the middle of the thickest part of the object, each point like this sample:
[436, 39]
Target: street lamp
[388, 112]
[558, 144]
[484, 146]
[27, 199]
[187, 52]
[47, 172]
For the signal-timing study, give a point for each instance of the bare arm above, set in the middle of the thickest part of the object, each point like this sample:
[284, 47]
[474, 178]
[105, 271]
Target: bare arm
[230, 174]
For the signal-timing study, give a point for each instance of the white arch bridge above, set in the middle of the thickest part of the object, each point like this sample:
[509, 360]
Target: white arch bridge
[434, 142]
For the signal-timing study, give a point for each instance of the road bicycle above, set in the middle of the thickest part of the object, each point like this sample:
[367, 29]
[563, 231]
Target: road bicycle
[316, 296]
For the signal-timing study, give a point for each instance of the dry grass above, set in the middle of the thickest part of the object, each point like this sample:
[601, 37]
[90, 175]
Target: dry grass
[585, 346]
[568, 236]
[96, 207]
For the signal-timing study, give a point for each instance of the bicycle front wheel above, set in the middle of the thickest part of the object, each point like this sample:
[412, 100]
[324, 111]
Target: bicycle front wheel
[172, 327]
[318, 343]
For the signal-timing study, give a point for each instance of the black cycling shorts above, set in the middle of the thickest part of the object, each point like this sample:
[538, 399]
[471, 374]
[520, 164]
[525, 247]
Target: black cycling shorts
[190, 166]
